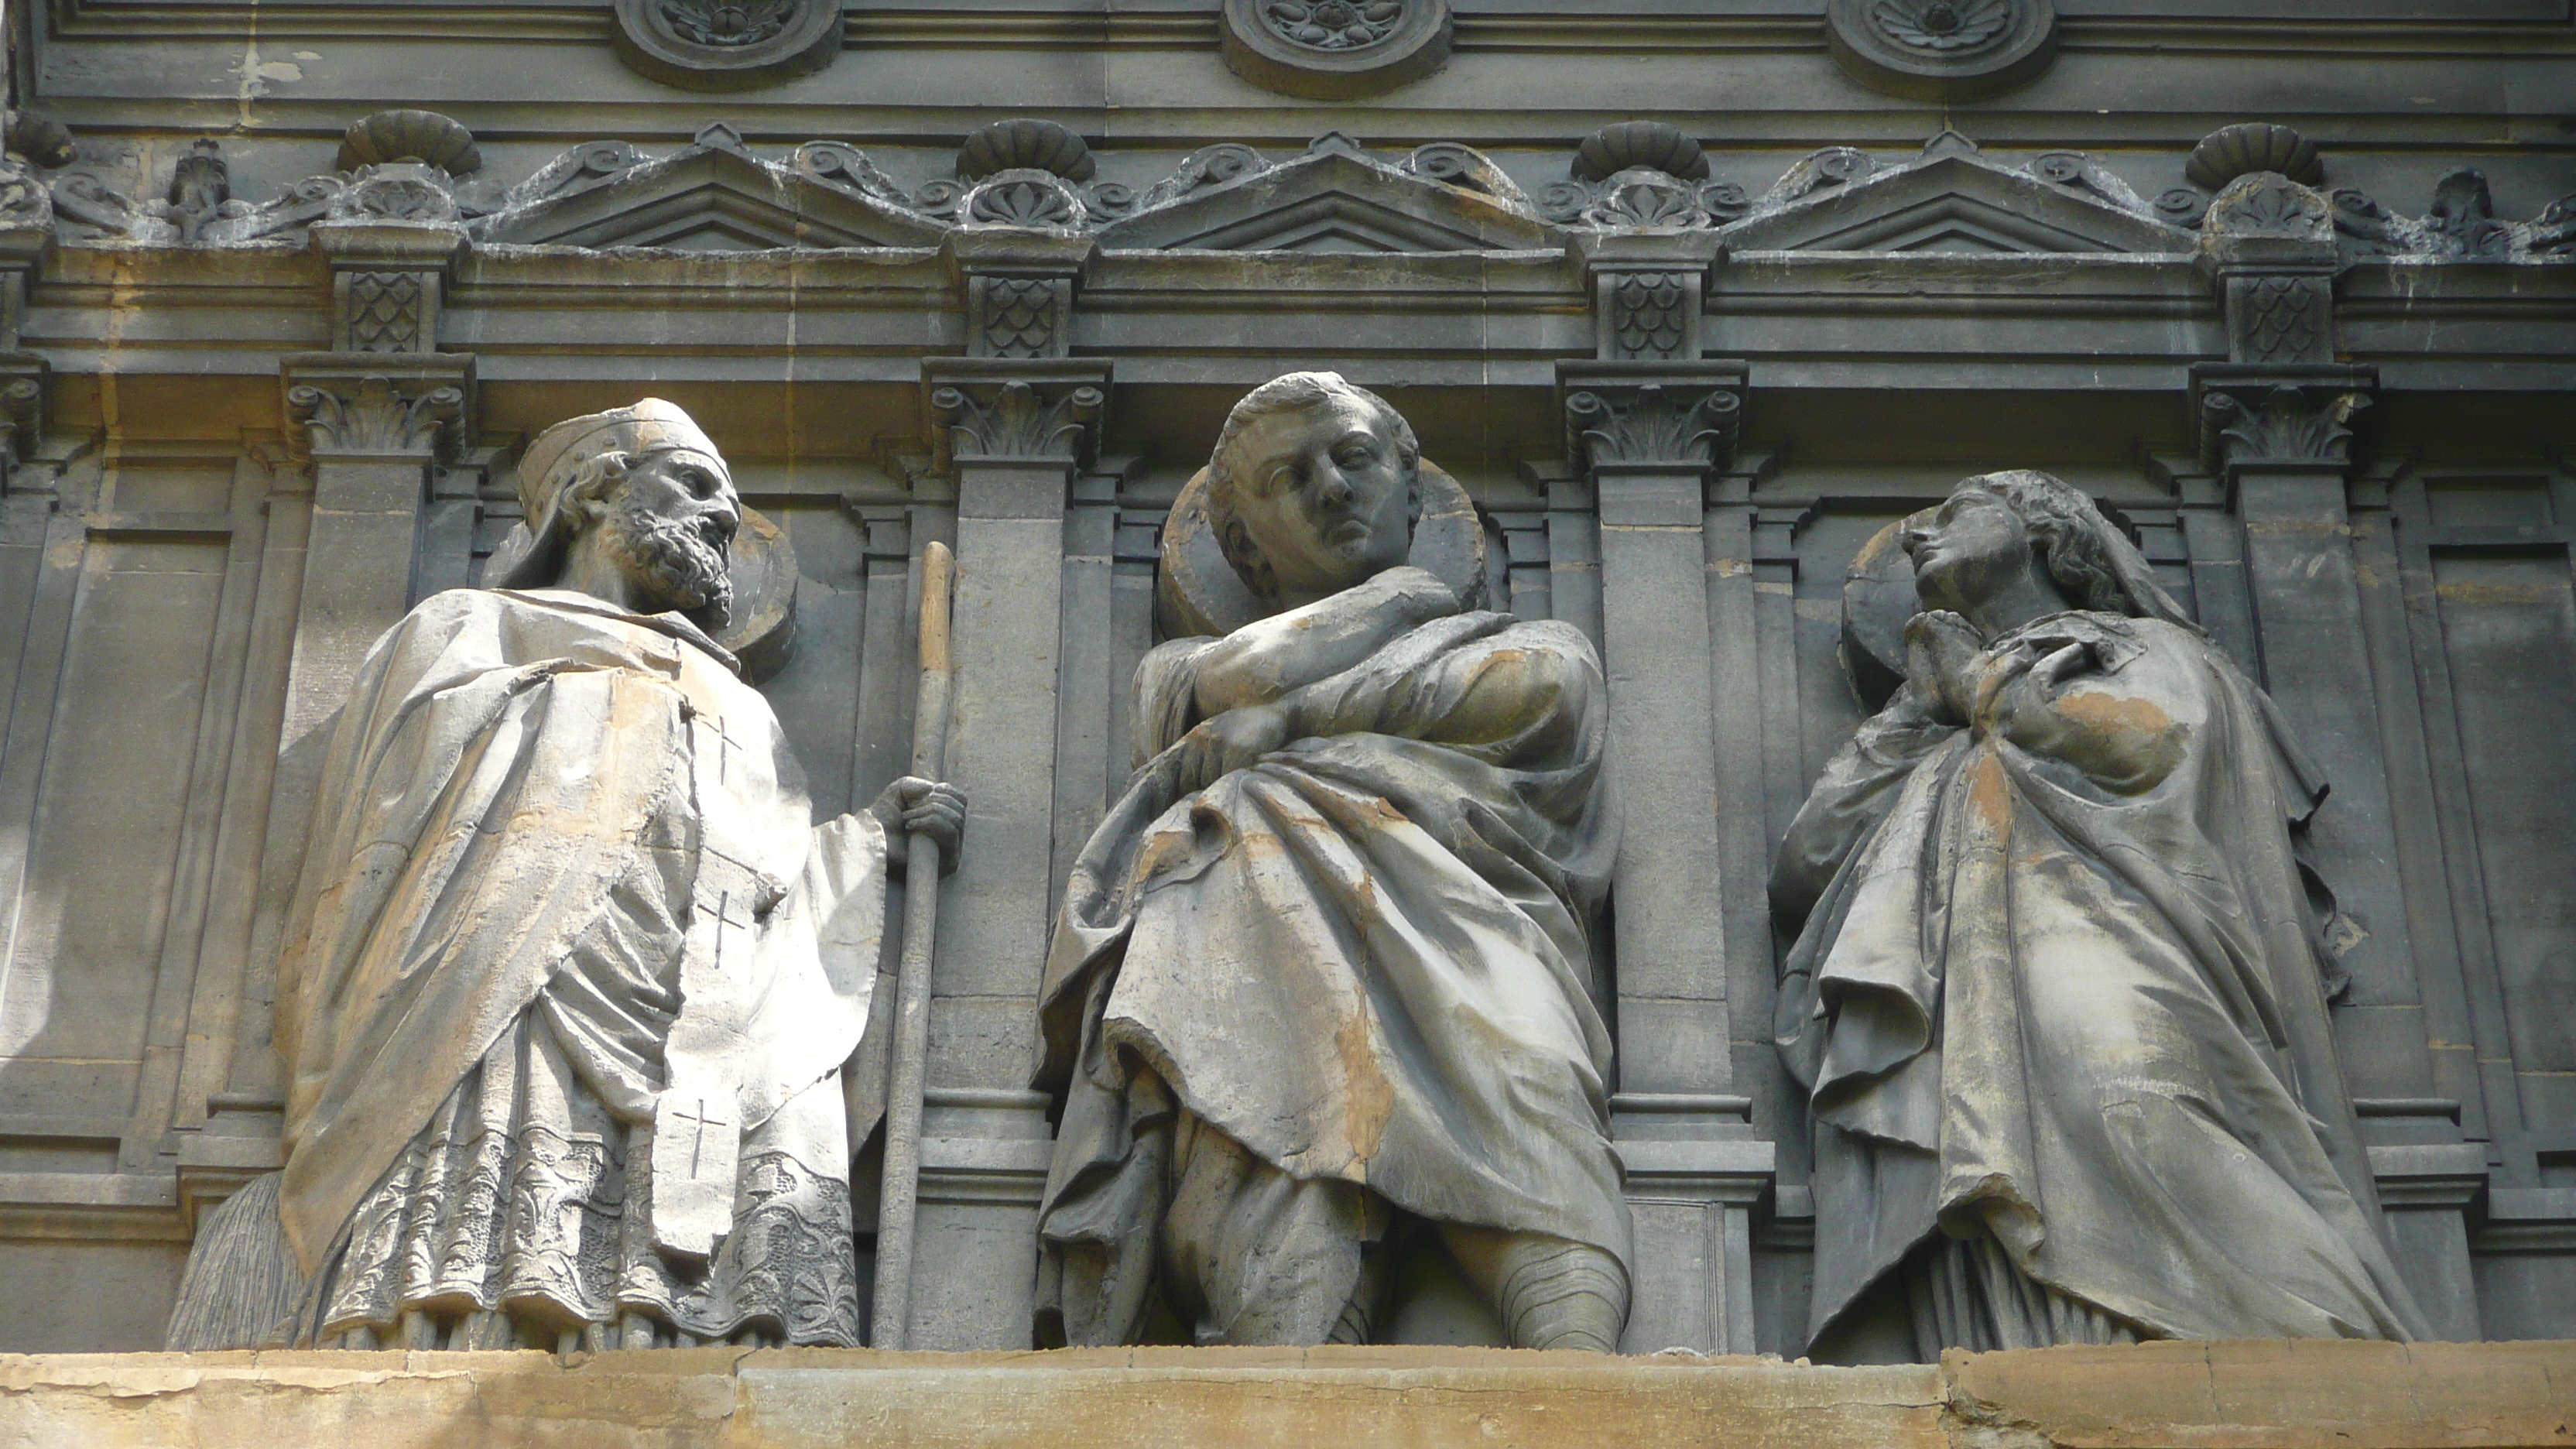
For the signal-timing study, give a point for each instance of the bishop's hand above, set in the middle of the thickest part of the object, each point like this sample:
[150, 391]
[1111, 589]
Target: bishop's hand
[935, 808]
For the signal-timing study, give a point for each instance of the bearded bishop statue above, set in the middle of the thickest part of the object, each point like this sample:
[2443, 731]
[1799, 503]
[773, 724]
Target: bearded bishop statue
[2057, 993]
[1321, 993]
[571, 974]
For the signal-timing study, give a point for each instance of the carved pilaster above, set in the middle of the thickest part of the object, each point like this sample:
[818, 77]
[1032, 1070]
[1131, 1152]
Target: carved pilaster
[2280, 440]
[1015, 434]
[1649, 436]
[1019, 288]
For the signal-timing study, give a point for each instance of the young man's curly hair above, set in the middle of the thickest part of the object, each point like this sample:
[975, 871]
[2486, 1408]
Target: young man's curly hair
[1298, 392]
[2070, 531]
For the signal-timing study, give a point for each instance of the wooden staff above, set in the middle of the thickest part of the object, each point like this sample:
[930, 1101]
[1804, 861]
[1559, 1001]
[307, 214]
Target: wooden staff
[900, 1188]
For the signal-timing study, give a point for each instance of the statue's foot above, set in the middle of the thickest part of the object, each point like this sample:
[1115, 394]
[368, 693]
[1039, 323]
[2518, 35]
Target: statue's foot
[1549, 1292]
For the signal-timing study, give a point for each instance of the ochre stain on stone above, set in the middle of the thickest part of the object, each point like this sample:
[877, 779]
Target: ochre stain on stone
[1368, 1099]
[2116, 713]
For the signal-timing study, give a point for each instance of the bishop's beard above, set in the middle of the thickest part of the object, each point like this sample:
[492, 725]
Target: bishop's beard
[681, 564]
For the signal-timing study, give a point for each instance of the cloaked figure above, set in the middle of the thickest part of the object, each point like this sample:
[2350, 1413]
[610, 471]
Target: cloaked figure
[571, 973]
[1321, 993]
[2057, 991]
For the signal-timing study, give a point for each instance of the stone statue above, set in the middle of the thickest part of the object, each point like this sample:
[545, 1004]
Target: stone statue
[1321, 993]
[571, 975]
[2057, 988]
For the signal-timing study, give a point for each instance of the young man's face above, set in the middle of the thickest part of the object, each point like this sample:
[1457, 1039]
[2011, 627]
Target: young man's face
[1322, 493]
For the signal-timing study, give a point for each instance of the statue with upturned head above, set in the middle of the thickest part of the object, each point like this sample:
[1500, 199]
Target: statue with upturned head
[571, 975]
[2057, 992]
[1321, 995]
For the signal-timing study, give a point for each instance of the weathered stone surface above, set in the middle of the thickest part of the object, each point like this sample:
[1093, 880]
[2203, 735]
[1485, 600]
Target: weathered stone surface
[2320, 1395]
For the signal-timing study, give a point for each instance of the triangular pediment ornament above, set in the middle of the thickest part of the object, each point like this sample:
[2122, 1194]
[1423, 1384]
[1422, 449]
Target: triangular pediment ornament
[711, 196]
[1335, 198]
[1953, 199]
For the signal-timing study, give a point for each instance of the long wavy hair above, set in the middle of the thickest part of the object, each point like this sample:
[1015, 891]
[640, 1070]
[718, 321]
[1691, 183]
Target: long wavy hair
[2089, 557]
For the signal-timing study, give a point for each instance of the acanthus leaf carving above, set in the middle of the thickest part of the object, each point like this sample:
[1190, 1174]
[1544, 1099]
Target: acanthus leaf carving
[1640, 197]
[401, 191]
[2278, 422]
[375, 416]
[1683, 425]
[1016, 418]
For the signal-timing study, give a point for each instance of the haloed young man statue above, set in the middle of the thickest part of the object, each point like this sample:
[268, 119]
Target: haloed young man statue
[2057, 995]
[1320, 994]
[571, 973]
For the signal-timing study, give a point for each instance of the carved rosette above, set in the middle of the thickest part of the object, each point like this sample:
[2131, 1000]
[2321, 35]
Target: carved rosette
[1334, 49]
[727, 45]
[1941, 49]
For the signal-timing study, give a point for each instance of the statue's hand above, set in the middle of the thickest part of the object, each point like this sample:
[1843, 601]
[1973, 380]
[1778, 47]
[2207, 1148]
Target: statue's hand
[935, 808]
[1227, 743]
[1941, 652]
[2029, 681]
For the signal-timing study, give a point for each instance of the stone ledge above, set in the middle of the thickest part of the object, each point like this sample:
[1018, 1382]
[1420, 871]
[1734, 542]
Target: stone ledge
[2155, 1396]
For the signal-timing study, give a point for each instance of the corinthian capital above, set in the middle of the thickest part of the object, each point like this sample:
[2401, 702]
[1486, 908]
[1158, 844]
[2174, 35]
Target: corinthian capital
[355, 404]
[1006, 408]
[2278, 417]
[1661, 414]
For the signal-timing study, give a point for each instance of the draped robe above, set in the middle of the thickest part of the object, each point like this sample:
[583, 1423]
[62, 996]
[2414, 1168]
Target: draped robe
[2058, 1003]
[1362, 959]
[563, 886]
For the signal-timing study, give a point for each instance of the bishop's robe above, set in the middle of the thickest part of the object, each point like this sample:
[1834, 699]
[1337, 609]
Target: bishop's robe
[2058, 1003]
[1361, 961]
[566, 991]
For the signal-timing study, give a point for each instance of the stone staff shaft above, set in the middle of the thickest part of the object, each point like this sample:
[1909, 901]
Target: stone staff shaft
[900, 1186]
